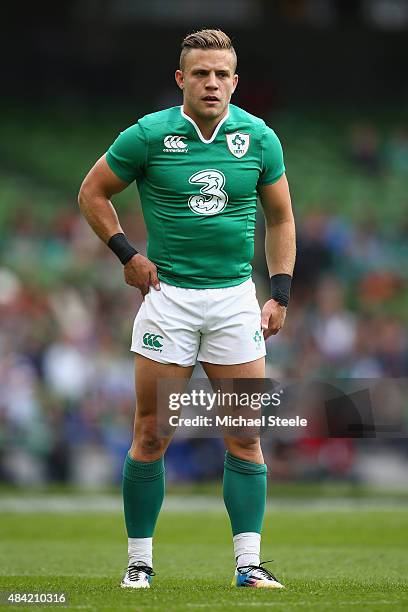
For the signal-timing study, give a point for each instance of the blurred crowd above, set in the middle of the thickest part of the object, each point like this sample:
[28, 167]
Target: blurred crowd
[66, 373]
[346, 317]
[67, 394]
[368, 155]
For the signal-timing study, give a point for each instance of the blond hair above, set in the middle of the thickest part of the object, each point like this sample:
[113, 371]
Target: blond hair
[206, 39]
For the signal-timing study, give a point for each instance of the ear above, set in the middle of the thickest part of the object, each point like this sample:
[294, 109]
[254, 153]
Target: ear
[179, 78]
[234, 82]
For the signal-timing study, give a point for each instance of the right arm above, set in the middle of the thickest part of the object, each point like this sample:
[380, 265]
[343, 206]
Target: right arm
[94, 201]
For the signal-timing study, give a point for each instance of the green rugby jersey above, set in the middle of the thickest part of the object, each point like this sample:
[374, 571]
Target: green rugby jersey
[198, 196]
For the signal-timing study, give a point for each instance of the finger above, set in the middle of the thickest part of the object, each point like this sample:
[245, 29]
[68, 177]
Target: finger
[154, 281]
[271, 331]
[265, 320]
[266, 333]
[276, 329]
[144, 290]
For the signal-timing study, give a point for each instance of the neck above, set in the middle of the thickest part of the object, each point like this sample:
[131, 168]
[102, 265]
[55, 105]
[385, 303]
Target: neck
[206, 126]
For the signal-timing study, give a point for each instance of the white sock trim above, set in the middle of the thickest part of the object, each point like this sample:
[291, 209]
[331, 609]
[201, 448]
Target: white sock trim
[140, 550]
[247, 548]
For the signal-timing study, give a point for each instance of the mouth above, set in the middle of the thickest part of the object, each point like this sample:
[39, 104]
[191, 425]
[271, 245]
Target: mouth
[210, 99]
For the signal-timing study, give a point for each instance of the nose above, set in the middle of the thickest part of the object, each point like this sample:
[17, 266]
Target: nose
[211, 81]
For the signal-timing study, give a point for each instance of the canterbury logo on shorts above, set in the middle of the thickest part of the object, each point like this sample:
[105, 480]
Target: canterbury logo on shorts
[152, 342]
[174, 144]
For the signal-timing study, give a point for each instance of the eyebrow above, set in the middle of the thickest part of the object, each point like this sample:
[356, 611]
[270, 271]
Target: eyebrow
[227, 70]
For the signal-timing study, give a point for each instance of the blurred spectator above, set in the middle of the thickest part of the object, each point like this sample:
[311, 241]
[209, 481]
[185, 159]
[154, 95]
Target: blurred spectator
[314, 256]
[67, 369]
[365, 148]
[392, 347]
[397, 150]
[332, 325]
[365, 362]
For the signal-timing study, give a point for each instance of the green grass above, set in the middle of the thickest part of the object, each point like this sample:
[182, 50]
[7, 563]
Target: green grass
[333, 560]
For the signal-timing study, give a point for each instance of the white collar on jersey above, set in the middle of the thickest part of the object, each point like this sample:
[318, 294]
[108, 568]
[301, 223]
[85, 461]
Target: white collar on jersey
[197, 129]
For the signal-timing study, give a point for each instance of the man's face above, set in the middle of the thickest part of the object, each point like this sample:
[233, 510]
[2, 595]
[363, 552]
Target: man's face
[208, 80]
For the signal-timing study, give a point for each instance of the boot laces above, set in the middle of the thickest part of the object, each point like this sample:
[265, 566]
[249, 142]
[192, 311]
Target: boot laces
[134, 571]
[262, 571]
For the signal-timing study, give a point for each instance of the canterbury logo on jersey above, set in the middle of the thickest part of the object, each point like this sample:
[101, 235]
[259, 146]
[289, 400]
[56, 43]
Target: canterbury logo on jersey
[152, 342]
[175, 144]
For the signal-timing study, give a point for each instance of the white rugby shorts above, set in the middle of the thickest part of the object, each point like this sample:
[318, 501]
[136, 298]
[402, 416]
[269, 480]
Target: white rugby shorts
[183, 326]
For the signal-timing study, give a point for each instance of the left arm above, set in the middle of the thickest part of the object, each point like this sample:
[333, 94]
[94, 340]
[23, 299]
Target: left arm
[280, 245]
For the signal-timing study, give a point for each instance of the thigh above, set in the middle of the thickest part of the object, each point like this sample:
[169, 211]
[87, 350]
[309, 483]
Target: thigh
[244, 447]
[148, 374]
[251, 369]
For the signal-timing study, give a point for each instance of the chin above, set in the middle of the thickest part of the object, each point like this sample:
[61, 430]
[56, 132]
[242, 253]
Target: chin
[212, 113]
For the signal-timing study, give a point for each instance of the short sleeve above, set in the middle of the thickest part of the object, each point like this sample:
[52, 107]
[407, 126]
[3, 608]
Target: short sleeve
[126, 156]
[272, 158]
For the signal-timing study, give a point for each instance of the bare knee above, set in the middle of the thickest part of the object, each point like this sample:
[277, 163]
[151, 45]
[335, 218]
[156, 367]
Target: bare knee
[147, 445]
[248, 449]
[148, 448]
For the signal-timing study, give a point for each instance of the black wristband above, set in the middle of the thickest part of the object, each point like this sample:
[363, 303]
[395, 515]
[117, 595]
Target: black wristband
[121, 247]
[280, 288]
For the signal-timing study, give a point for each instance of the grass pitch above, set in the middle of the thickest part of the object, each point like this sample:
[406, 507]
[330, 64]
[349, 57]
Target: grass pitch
[328, 560]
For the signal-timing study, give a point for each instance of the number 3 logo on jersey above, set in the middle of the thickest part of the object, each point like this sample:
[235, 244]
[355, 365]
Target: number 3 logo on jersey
[213, 198]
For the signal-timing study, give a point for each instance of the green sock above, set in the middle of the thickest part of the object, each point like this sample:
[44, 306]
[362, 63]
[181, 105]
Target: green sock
[143, 494]
[244, 494]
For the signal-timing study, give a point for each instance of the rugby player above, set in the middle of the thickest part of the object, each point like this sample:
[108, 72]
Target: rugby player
[199, 168]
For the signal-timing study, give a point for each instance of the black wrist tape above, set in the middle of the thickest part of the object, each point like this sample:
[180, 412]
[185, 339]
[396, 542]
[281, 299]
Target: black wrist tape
[280, 288]
[121, 247]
